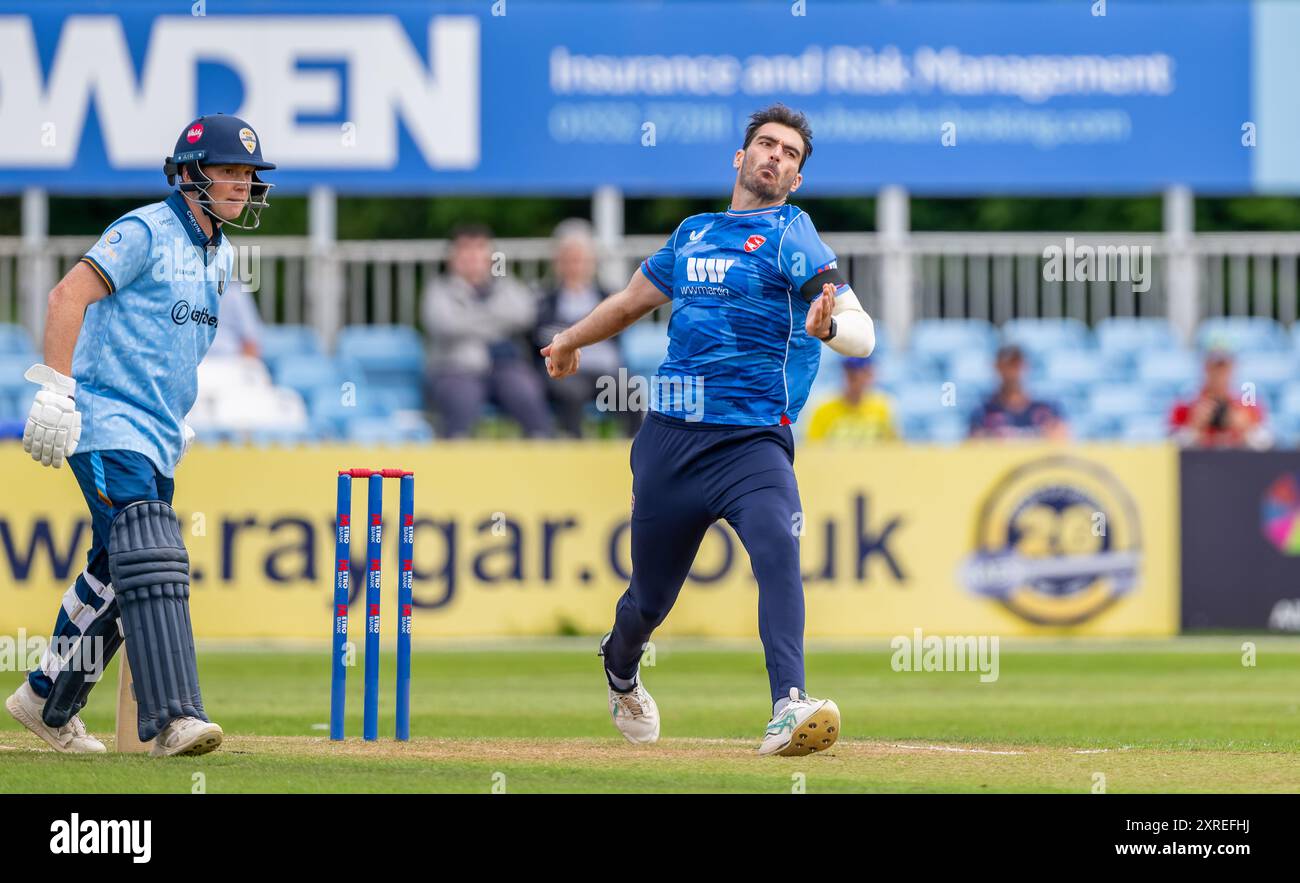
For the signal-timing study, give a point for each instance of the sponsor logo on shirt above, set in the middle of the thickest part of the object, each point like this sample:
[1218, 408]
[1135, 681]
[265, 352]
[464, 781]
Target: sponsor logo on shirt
[707, 269]
[833, 265]
[182, 313]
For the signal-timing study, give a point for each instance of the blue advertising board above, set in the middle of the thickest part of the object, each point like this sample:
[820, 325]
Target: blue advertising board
[560, 97]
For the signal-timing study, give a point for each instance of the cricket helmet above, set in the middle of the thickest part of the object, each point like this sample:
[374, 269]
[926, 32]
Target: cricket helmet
[220, 139]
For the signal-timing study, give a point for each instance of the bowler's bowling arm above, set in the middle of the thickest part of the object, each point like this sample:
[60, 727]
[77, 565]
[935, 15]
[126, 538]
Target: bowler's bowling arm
[614, 314]
[66, 309]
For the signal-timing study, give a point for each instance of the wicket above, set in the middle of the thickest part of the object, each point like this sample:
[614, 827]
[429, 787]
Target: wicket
[342, 578]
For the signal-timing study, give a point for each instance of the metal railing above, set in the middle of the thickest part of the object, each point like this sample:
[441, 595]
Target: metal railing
[959, 275]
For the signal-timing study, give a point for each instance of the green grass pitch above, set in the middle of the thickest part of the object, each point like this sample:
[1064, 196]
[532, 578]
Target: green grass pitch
[1183, 715]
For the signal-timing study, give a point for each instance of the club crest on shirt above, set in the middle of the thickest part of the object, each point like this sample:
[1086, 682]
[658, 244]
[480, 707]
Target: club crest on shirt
[755, 242]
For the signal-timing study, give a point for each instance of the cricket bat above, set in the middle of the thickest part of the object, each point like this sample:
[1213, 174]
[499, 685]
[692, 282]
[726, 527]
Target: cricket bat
[128, 733]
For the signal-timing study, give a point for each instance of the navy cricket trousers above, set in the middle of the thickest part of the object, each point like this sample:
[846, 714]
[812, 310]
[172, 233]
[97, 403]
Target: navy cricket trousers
[685, 476]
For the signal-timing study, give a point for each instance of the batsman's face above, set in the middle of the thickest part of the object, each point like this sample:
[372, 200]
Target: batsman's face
[231, 185]
[769, 166]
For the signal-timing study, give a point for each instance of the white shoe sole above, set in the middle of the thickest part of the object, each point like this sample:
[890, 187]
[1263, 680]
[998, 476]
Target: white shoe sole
[817, 733]
[201, 743]
[38, 727]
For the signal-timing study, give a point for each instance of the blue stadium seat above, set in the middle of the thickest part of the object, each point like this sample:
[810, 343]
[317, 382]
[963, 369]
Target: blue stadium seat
[940, 339]
[1270, 371]
[1075, 367]
[644, 346]
[1241, 334]
[375, 431]
[948, 429]
[973, 368]
[1120, 340]
[388, 354]
[1144, 428]
[306, 373]
[1288, 401]
[15, 341]
[920, 397]
[1108, 401]
[12, 368]
[1286, 429]
[1094, 427]
[1126, 334]
[1038, 337]
[1169, 370]
[289, 340]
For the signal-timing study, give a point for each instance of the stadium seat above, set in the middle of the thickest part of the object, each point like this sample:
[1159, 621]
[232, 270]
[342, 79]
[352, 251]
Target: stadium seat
[12, 368]
[1169, 370]
[921, 399]
[1111, 402]
[1241, 334]
[1120, 340]
[1269, 371]
[644, 346]
[1144, 428]
[972, 368]
[1039, 337]
[1074, 367]
[941, 339]
[1094, 427]
[1288, 401]
[410, 429]
[15, 341]
[289, 340]
[948, 429]
[387, 354]
[306, 373]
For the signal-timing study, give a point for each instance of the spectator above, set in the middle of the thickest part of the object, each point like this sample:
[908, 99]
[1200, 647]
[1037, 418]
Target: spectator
[239, 328]
[476, 321]
[1215, 417]
[1010, 412]
[860, 413]
[574, 295]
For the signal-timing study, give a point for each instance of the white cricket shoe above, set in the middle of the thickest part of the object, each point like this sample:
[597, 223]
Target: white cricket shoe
[26, 706]
[804, 726]
[186, 736]
[634, 712]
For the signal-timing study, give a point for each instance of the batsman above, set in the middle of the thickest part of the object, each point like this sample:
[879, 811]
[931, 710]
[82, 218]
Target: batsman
[125, 331]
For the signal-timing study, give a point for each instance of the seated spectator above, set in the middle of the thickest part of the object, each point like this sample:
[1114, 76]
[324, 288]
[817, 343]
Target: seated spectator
[574, 295]
[1010, 412]
[860, 413]
[1216, 417]
[477, 324]
[239, 328]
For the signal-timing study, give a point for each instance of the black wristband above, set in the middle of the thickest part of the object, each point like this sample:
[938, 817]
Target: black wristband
[831, 336]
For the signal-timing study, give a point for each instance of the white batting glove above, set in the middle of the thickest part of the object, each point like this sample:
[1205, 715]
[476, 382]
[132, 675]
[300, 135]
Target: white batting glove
[53, 425]
[187, 439]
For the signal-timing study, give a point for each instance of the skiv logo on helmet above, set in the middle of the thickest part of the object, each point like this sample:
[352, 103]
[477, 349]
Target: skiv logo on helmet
[248, 139]
[195, 133]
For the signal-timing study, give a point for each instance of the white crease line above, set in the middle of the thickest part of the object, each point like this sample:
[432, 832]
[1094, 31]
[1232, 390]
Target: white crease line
[956, 750]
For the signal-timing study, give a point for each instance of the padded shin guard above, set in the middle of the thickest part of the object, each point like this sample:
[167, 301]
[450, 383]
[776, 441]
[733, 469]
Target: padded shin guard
[151, 576]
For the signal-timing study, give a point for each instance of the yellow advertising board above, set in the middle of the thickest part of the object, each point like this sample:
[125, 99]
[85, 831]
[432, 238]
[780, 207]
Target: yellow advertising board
[516, 538]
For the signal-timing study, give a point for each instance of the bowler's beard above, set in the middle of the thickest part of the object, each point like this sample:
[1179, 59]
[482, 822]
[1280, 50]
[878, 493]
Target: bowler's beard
[767, 190]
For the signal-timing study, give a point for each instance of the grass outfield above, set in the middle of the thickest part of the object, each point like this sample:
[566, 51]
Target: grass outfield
[530, 716]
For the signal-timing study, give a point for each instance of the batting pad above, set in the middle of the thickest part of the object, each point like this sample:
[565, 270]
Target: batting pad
[151, 575]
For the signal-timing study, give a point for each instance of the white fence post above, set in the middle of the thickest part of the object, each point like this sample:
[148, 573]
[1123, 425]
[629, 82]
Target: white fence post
[324, 273]
[36, 261]
[893, 222]
[607, 219]
[1184, 307]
